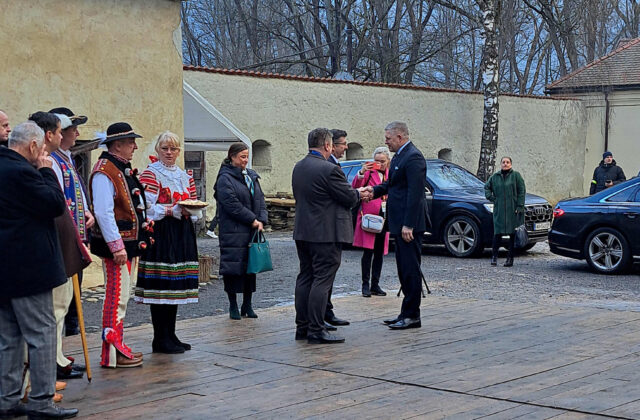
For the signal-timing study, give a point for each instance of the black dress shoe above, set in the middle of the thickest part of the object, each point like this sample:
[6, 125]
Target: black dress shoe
[494, 260]
[366, 292]
[52, 412]
[377, 291]
[301, 334]
[392, 321]
[78, 367]
[337, 321]
[406, 323]
[329, 327]
[17, 411]
[324, 338]
[67, 372]
[509, 262]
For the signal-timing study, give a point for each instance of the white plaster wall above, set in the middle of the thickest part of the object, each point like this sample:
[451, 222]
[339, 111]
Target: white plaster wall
[545, 137]
[624, 131]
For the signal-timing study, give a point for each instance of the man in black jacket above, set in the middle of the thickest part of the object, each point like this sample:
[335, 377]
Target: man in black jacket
[406, 220]
[323, 222]
[339, 146]
[606, 174]
[31, 266]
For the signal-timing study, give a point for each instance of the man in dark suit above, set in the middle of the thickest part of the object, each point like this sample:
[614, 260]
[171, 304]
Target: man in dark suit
[337, 151]
[406, 220]
[31, 266]
[323, 222]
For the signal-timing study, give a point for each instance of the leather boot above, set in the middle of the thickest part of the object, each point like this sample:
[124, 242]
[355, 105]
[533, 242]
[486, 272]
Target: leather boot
[234, 313]
[376, 290]
[509, 262]
[246, 309]
[162, 342]
[494, 259]
[173, 312]
[366, 292]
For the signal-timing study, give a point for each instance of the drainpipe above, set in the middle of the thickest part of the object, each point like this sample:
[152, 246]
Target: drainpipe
[607, 111]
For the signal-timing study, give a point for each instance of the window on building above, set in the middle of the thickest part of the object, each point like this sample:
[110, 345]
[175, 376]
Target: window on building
[261, 154]
[355, 151]
[445, 154]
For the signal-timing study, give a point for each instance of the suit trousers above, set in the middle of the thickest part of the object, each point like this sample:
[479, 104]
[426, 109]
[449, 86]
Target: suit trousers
[27, 319]
[62, 296]
[319, 263]
[328, 313]
[408, 259]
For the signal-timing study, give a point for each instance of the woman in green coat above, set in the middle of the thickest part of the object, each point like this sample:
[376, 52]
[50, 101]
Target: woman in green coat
[506, 190]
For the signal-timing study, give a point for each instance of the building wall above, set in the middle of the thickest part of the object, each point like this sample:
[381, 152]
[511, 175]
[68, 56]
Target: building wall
[624, 129]
[545, 137]
[112, 60]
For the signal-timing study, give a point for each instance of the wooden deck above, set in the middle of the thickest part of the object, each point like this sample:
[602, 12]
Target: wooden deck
[471, 359]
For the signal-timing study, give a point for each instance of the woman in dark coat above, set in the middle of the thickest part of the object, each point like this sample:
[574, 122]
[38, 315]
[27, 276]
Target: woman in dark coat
[241, 210]
[506, 190]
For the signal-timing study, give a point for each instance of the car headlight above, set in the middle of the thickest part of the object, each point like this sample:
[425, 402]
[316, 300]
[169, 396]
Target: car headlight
[489, 207]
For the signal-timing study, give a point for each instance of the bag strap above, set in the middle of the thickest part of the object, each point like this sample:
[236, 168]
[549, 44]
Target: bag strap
[258, 237]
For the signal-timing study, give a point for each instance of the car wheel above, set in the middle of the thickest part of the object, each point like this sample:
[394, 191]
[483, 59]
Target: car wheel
[607, 251]
[462, 236]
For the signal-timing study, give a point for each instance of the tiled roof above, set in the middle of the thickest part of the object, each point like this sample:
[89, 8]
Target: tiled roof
[331, 80]
[621, 67]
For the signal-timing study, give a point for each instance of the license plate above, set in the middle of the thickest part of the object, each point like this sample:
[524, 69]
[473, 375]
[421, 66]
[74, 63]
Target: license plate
[542, 226]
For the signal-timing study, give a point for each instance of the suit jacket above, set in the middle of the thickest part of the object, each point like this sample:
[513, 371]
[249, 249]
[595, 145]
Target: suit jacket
[30, 199]
[406, 203]
[323, 202]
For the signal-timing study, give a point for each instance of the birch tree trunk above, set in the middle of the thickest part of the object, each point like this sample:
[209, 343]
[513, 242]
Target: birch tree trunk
[489, 141]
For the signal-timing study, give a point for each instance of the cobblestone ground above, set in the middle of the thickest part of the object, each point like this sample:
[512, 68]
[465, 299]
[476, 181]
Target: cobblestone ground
[537, 276]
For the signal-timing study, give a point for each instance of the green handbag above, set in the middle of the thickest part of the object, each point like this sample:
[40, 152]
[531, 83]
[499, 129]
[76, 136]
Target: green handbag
[259, 254]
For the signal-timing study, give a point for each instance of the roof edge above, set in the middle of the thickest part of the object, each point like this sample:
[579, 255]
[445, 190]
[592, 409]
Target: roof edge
[593, 63]
[250, 73]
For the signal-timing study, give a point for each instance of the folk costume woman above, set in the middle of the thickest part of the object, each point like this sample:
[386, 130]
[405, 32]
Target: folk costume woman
[506, 190]
[241, 210]
[168, 271]
[375, 245]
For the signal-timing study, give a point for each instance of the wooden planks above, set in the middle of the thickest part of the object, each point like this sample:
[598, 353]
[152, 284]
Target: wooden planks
[471, 359]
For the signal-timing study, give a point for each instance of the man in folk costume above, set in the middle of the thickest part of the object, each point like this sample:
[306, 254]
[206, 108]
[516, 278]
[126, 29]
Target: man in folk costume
[76, 194]
[120, 235]
[77, 204]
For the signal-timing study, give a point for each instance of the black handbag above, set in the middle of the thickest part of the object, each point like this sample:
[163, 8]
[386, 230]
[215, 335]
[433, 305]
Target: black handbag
[522, 237]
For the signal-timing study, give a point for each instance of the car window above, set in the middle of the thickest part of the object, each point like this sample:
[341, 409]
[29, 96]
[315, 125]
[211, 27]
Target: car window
[452, 177]
[623, 196]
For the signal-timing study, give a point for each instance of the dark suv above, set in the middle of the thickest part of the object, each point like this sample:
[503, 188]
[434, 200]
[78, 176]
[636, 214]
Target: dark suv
[461, 215]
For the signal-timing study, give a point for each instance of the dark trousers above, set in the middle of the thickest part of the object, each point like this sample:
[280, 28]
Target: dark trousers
[497, 240]
[328, 313]
[408, 258]
[71, 319]
[29, 319]
[376, 254]
[319, 263]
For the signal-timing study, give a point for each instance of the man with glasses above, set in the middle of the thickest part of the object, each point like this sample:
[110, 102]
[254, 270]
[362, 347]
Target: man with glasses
[339, 147]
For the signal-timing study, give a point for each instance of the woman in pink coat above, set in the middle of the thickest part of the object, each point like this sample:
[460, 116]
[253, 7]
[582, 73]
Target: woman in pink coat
[375, 245]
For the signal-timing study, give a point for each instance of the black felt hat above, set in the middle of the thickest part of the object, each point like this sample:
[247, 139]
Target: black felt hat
[118, 131]
[75, 119]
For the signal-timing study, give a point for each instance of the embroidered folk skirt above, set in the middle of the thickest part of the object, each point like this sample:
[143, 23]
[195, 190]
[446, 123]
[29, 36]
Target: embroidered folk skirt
[168, 270]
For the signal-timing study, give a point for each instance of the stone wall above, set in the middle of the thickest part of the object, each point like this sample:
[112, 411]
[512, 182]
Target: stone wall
[112, 60]
[545, 137]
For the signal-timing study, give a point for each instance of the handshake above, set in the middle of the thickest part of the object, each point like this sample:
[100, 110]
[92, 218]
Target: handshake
[366, 193]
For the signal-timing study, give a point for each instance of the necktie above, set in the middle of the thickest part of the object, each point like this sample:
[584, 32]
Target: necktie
[248, 181]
